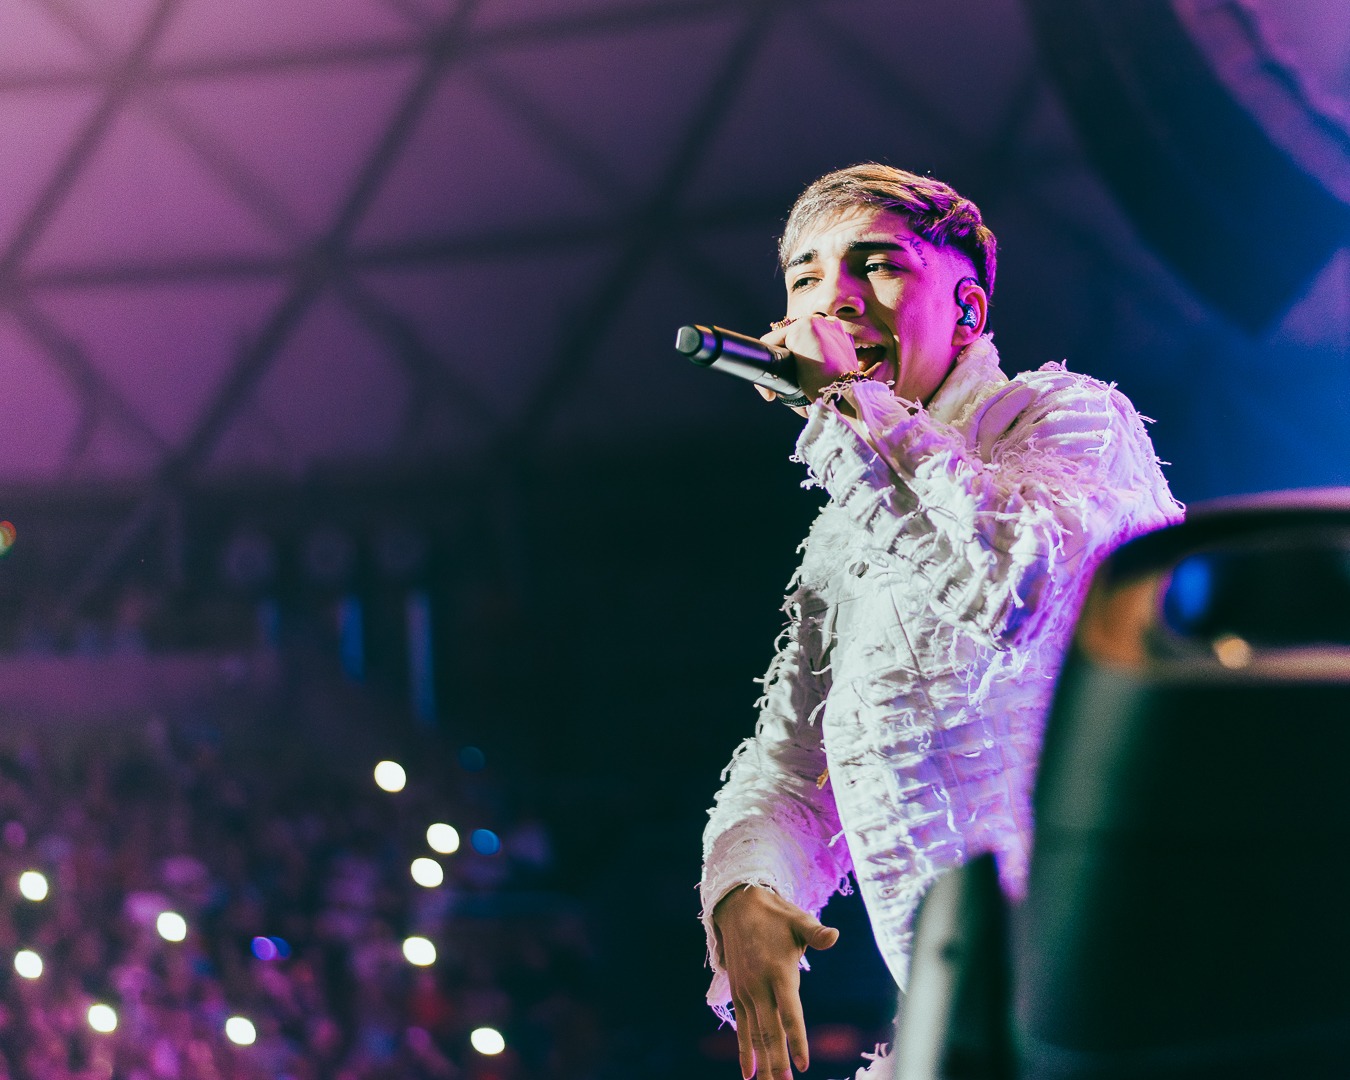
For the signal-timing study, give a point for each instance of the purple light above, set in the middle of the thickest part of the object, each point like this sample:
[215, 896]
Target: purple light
[264, 948]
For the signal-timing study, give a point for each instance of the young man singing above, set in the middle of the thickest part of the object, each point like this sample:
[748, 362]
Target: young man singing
[902, 715]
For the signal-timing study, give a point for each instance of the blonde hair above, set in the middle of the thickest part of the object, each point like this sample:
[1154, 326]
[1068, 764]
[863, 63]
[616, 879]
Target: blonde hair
[936, 211]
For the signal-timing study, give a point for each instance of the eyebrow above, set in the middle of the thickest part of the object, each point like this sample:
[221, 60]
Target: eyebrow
[857, 246]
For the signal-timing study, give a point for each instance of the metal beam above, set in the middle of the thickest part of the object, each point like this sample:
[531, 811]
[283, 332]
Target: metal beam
[405, 343]
[115, 92]
[544, 30]
[308, 283]
[550, 235]
[590, 166]
[650, 228]
[97, 395]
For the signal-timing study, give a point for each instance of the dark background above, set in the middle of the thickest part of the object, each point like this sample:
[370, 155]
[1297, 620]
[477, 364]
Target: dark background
[288, 286]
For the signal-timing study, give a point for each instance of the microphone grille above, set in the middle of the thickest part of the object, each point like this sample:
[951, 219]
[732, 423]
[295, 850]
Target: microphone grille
[696, 342]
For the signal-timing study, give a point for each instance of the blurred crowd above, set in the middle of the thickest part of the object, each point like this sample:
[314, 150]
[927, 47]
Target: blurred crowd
[296, 898]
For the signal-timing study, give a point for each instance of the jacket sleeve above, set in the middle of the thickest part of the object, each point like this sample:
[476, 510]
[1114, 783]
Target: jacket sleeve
[774, 821]
[1057, 469]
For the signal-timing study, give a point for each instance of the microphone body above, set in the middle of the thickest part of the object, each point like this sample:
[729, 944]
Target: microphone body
[769, 366]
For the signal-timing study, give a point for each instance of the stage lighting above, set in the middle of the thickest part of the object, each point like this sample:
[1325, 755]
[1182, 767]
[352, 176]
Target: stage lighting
[240, 1031]
[419, 951]
[390, 776]
[485, 842]
[33, 885]
[427, 873]
[487, 1041]
[443, 838]
[28, 964]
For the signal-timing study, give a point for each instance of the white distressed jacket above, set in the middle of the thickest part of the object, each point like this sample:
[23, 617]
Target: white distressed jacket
[902, 715]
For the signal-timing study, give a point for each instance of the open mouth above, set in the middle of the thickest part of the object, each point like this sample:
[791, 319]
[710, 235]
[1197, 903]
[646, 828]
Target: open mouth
[870, 354]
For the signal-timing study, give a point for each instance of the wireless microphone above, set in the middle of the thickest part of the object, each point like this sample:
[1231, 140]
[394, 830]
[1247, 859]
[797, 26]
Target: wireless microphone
[769, 366]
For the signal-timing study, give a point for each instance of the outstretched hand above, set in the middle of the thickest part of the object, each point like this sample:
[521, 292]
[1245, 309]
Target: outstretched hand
[760, 940]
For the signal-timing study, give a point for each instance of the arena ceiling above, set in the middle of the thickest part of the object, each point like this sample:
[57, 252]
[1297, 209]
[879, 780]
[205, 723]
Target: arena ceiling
[269, 238]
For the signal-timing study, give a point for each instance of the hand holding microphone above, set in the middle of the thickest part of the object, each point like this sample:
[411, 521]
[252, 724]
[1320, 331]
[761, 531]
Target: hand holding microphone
[771, 366]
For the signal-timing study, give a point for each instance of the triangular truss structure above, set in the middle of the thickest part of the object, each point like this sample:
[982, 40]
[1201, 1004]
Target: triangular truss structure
[265, 237]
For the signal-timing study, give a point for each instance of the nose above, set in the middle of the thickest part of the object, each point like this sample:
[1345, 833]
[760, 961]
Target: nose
[843, 297]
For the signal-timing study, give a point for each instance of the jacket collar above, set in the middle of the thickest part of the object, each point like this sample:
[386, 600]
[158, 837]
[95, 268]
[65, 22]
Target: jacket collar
[973, 376]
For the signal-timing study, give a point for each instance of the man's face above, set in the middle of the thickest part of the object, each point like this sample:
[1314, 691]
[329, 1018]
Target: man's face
[893, 291]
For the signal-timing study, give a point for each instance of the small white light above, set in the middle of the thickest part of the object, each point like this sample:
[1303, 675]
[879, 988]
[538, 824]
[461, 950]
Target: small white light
[419, 951]
[389, 775]
[33, 885]
[427, 873]
[28, 964]
[487, 1040]
[443, 838]
[240, 1031]
[102, 1018]
[171, 926]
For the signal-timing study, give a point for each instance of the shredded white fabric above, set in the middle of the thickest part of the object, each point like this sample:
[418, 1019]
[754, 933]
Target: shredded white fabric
[936, 595]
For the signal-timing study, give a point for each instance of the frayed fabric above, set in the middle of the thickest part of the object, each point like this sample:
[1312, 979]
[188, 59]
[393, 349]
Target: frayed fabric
[937, 592]
[880, 1065]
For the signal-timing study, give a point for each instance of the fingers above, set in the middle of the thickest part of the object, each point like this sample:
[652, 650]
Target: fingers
[794, 1023]
[745, 1021]
[768, 1039]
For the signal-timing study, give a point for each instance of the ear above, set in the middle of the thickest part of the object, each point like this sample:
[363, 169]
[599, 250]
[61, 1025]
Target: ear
[972, 312]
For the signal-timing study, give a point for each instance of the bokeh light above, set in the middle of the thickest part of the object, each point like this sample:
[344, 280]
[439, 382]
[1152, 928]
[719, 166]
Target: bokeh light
[270, 948]
[28, 964]
[171, 926]
[443, 838]
[485, 842]
[240, 1031]
[427, 873]
[487, 1040]
[102, 1018]
[8, 534]
[389, 775]
[419, 951]
[1232, 651]
[471, 759]
[33, 885]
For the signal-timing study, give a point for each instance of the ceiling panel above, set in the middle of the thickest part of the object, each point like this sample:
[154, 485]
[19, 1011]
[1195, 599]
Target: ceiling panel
[210, 28]
[166, 349]
[303, 134]
[40, 410]
[39, 129]
[142, 196]
[332, 395]
[469, 166]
